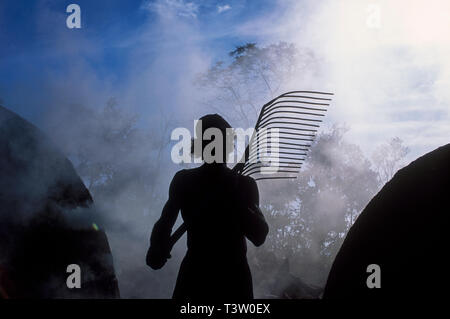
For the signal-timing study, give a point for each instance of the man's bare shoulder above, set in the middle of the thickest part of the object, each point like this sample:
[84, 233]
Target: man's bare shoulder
[184, 175]
[247, 181]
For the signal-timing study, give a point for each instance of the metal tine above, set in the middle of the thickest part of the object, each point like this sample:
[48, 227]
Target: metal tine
[281, 149]
[280, 165]
[305, 92]
[296, 158]
[292, 125]
[281, 159]
[277, 117]
[263, 160]
[291, 165]
[292, 151]
[307, 97]
[289, 118]
[304, 97]
[292, 144]
[274, 121]
[276, 177]
[270, 122]
[263, 138]
[284, 162]
[301, 98]
[255, 169]
[289, 112]
[272, 151]
[266, 142]
[295, 109]
[296, 121]
[276, 152]
[255, 158]
[292, 148]
[297, 139]
[274, 171]
[284, 99]
[297, 104]
[308, 92]
[263, 145]
[273, 107]
[278, 157]
[280, 173]
[294, 168]
[298, 101]
[259, 165]
[268, 168]
[265, 133]
[298, 98]
[258, 171]
[270, 175]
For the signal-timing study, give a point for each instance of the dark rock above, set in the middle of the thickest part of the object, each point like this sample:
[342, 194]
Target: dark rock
[46, 220]
[403, 230]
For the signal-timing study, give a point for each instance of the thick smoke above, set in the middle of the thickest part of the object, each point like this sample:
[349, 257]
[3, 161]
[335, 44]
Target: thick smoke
[382, 78]
[127, 171]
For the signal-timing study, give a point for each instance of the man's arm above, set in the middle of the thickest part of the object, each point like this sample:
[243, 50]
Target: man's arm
[254, 224]
[159, 250]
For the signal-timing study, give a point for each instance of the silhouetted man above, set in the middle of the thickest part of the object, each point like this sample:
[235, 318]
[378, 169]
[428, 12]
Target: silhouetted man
[220, 209]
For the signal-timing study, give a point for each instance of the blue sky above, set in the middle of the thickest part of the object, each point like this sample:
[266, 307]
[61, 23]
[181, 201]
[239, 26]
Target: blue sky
[390, 77]
[32, 29]
[36, 44]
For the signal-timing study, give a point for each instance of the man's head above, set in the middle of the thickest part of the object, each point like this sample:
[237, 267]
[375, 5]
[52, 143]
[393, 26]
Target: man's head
[213, 134]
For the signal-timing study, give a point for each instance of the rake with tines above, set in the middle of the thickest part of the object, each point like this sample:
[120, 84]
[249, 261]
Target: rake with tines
[284, 131]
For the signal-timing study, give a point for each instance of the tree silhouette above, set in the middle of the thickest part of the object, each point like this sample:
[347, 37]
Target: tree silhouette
[122, 165]
[253, 76]
[310, 216]
[388, 158]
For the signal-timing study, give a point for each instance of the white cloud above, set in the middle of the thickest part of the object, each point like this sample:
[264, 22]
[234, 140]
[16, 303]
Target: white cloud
[384, 75]
[389, 81]
[173, 7]
[223, 8]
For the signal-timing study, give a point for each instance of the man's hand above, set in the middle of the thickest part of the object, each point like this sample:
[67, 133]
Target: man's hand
[157, 259]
